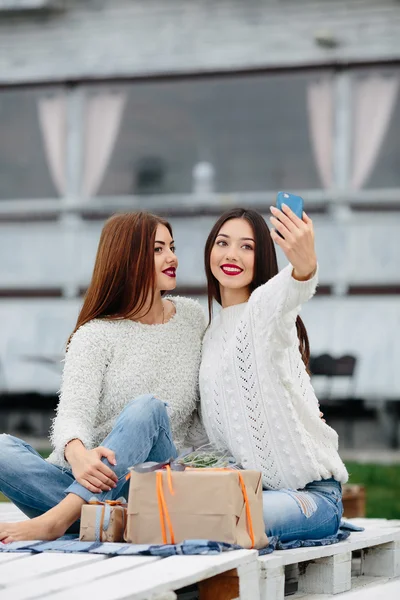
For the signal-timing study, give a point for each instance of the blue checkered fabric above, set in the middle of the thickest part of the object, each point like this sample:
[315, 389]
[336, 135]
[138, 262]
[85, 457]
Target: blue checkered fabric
[70, 543]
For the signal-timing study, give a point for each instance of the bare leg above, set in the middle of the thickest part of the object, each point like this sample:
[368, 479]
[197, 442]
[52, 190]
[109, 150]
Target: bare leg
[144, 419]
[49, 526]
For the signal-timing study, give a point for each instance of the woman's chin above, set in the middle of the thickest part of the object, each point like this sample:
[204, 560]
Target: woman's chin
[232, 284]
[169, 286]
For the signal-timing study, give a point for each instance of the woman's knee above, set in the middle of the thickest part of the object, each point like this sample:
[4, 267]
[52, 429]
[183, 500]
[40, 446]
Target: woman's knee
[144, 408]
[8, 444]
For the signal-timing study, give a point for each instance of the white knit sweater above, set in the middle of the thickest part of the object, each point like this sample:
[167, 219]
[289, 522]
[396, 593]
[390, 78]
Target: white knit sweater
[108, 363]
[256, 396]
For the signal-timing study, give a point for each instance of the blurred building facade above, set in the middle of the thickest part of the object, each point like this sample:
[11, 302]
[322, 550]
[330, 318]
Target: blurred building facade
[185, 108]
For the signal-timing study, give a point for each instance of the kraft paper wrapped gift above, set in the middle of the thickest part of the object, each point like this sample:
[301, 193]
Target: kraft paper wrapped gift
[223, 505]
[103, 521]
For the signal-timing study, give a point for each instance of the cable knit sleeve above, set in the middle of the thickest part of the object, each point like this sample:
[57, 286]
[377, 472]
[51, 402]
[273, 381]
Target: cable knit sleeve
[84, 366]
[278, 302]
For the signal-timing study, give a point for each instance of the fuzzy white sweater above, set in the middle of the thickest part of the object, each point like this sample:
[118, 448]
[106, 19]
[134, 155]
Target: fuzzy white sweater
[256, 395]
[108, 363]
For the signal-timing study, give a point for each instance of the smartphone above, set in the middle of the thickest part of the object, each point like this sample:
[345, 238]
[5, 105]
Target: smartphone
[295, 203]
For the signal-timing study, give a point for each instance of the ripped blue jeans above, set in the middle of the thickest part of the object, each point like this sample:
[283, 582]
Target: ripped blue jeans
[313, 513]
[141, 432]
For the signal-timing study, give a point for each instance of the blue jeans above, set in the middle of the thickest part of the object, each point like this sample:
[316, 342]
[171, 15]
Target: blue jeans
[309, 514]
[141, 432]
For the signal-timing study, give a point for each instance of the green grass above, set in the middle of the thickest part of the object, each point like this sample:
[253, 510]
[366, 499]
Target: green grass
[382, 484]
[382, 488]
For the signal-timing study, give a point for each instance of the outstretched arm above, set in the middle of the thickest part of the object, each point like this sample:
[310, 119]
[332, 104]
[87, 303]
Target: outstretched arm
[279, 300]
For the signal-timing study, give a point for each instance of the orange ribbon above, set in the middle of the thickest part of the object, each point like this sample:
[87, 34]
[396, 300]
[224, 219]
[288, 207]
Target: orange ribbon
[162, 506]
[103, 512]
[165, 519]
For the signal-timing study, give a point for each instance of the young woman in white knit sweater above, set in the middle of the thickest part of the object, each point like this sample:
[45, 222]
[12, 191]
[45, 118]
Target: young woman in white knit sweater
[131, 353]
[256, 395]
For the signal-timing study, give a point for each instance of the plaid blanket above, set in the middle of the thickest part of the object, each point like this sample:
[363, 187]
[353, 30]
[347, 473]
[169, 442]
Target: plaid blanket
[71, 544]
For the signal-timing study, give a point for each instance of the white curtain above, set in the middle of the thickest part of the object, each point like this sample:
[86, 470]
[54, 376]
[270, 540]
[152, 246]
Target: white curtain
[103, 116]
[52, 120]
[320, 120]
[374, 101]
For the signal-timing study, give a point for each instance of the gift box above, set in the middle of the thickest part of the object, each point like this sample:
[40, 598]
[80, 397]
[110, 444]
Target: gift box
[103, 521]
[223, 505]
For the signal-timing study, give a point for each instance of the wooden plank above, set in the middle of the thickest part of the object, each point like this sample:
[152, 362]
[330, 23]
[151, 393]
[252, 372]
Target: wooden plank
[13, 517]
[356, 541]
[38, 565]
[169, 574]
[8, 507]
[272, 580]
[78, 574]
[370, 523]
[8, 557]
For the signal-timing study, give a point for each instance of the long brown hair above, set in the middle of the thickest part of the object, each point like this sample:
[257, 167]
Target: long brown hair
[123, 275]
[265, 265]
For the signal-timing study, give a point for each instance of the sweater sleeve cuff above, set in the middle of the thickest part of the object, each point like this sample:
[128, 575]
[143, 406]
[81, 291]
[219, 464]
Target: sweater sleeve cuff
[57, 456]
[301, 291]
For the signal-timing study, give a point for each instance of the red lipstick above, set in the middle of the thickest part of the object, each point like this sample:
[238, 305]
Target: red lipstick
[171, 272]
[231, 270]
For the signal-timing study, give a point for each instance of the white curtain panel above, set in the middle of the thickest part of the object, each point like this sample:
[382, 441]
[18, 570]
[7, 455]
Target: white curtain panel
[320, 120]
[103, 115]
[374, 99]
[52, 113]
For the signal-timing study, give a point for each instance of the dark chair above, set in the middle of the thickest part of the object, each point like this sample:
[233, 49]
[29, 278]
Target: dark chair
[344, 402]
[323, 366]
[345, 365]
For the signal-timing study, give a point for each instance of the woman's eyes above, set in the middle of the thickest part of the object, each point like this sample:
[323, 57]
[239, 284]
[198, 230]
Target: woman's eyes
[222, 243]
[159, 249]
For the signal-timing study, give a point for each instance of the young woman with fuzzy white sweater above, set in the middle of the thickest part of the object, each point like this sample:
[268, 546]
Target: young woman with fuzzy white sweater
[129, 388]
[256, 395]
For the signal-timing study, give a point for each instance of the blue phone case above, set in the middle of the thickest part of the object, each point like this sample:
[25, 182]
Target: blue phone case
[295, 203]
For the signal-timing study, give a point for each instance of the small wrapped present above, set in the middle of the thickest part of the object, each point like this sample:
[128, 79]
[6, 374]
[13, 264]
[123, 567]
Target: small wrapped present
[170, 506]
[103, 521]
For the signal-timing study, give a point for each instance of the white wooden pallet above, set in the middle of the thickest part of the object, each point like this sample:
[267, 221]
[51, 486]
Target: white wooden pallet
[324, 572]
[59, 576]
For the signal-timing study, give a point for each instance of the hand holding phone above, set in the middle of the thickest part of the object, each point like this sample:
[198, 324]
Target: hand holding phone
[294, 233]
[295, 203]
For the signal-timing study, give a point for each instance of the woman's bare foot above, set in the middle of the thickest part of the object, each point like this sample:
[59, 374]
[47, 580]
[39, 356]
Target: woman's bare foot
[49, 526]
[39, 528]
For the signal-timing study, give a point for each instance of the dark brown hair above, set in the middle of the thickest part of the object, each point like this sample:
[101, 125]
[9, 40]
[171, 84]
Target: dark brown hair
[265, 265]
[123, 275]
